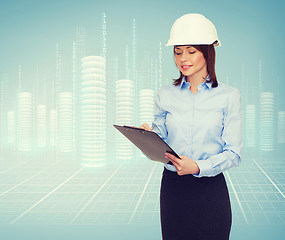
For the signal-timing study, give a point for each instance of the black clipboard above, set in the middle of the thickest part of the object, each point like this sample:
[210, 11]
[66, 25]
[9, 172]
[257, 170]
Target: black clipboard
[148, 142]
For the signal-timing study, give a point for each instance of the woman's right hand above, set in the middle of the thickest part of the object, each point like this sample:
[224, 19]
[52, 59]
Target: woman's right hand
[145, 126]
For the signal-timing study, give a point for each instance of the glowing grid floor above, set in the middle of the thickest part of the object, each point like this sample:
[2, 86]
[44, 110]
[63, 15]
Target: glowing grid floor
[128, 194]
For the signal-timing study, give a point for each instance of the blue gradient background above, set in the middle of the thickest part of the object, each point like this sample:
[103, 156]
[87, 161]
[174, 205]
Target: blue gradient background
[250, 31]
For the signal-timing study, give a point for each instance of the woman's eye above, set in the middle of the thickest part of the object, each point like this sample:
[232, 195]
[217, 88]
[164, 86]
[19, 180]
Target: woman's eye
[178, 53]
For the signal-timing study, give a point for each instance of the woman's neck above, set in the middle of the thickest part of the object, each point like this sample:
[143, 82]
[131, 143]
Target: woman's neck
[196, 79]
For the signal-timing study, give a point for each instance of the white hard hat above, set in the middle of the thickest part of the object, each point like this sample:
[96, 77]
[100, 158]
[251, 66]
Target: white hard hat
[193, 29]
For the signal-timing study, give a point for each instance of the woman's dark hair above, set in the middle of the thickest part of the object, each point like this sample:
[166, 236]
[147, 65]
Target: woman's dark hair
[209, 54]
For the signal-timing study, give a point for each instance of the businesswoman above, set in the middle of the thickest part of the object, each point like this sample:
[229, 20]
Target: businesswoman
[201, 120]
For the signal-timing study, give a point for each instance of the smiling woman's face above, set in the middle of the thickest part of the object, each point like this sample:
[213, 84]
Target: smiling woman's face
[190, 61]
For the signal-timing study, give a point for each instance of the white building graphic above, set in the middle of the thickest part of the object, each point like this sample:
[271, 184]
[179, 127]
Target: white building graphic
[65, 122]
[93, 112]
[266, 121]
[124, 116]
[250, 126]
[25, 124]
[41, 125]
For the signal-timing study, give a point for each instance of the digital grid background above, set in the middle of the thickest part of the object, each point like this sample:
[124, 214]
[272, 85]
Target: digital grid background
[128, 194]
[54, 187]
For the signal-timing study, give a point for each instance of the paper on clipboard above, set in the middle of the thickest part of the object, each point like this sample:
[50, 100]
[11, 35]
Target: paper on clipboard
[148, 142]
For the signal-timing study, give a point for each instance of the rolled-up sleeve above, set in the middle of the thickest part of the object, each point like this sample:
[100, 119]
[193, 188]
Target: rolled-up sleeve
[158, 123]
[232, 139]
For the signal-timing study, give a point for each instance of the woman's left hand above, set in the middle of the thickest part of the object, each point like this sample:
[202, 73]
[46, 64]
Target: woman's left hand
[184, 165]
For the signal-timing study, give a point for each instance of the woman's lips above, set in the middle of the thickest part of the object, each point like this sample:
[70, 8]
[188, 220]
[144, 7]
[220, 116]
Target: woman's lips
[186, 67]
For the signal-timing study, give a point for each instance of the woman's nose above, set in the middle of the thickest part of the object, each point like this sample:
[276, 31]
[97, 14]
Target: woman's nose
[183, 57]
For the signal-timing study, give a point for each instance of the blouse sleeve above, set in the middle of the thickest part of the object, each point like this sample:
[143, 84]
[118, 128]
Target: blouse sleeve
[232, 139]
[158, 123]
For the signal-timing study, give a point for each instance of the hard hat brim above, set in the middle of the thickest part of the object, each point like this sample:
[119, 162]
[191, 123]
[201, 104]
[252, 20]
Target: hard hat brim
[216, 43]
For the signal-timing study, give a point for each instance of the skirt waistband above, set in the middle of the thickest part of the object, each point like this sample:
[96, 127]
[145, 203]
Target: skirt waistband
[190, 178]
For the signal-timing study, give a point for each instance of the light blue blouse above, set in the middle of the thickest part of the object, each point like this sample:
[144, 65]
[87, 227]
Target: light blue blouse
[205, 126]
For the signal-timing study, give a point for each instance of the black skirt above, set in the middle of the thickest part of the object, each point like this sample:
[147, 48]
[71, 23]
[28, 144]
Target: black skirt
[194, 208]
